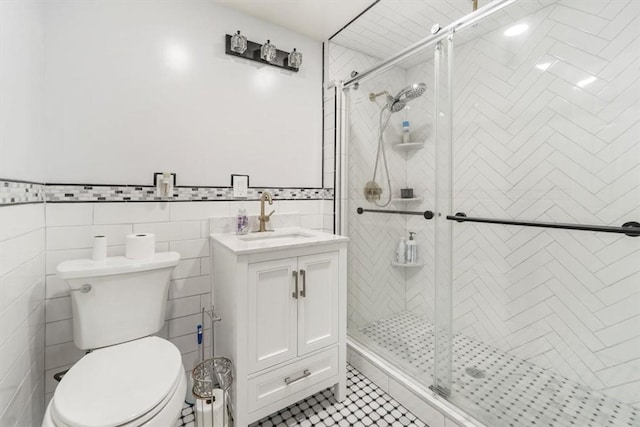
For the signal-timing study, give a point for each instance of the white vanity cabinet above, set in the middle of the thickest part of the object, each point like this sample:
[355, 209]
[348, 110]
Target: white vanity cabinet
[283, 310]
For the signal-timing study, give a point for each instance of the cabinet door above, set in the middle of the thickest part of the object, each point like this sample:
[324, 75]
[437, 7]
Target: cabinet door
[318, 301]
[272, 313]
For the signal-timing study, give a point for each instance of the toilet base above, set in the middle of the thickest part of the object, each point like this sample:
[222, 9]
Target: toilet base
[166, 417]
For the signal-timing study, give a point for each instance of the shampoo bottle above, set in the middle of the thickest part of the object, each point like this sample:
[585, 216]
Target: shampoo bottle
[405, 131]
[412, 249]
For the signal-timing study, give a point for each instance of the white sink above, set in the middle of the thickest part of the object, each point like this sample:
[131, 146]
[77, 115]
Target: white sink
[280, 239]
[273, 235]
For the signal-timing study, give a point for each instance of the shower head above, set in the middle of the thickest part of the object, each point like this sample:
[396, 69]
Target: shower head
[395, 105]
[412, 92]
[398, 102]
[407, 94]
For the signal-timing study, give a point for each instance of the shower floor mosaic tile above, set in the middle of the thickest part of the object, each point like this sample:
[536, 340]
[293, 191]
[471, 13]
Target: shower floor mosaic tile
[495, 387]
[365, 405]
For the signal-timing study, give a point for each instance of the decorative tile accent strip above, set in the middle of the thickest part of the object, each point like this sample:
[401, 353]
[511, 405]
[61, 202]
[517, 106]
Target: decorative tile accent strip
[16, 192]
[56, 193]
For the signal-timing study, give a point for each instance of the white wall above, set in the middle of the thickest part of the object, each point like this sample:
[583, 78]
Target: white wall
[22, 262]
[21, 89]
[139, 87]
[21, 227]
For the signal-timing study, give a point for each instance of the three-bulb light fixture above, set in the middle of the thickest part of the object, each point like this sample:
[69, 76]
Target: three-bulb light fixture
[268, 52]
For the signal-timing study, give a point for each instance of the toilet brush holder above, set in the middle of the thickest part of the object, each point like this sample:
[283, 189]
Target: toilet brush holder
[212, 379]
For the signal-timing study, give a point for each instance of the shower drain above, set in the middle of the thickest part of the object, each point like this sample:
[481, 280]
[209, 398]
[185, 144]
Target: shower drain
[475, 373]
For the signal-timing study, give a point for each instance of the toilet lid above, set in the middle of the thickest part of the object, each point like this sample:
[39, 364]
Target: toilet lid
[114, 385]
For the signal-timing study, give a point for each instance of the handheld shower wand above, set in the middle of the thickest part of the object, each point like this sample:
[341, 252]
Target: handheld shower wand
[373, 191]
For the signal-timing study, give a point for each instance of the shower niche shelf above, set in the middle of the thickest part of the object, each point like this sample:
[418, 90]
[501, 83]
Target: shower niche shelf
[408, 146]
[411, 200]
[405, 265]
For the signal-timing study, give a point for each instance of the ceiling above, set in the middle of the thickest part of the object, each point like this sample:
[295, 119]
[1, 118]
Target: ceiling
[392, 25]
[317, 19]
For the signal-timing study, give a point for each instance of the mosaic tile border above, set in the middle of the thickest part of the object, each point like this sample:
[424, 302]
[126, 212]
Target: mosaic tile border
[56, 193]
[21, 192]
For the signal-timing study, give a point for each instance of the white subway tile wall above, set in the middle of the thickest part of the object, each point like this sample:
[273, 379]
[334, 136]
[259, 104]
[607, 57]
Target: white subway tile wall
[22, 318]
[179, 226]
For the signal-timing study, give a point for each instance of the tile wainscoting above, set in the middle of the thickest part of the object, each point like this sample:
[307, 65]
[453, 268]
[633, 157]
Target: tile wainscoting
[43, 225]
[22, 325]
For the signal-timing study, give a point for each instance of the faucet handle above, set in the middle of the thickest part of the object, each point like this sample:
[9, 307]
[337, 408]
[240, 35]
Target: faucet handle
[269, 216]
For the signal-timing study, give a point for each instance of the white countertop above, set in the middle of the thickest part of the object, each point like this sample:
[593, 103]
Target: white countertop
[282, 238]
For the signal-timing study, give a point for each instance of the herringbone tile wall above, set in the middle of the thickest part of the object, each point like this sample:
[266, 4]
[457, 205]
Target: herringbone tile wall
[547, 128]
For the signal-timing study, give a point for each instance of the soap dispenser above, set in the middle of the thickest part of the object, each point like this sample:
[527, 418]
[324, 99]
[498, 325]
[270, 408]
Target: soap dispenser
[412, 250]
[242, 222]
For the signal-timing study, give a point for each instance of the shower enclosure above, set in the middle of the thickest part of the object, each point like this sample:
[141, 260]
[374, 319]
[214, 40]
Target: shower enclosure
[524, 305]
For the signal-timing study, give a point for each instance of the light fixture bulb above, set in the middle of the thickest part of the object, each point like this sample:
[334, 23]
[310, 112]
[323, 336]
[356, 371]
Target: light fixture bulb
[268, 51]
[238, 43]
[295, 59]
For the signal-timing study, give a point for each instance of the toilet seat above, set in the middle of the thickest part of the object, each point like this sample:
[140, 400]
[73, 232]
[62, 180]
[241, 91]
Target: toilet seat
[122, 385]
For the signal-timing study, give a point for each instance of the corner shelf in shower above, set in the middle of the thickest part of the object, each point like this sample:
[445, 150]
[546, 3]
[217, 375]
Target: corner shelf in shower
[408, 146]
[412, 200]
[404, 265]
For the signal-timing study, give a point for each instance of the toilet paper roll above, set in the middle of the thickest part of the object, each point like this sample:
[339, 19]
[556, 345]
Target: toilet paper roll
[99, 248]
[211, 413]
[140, 246]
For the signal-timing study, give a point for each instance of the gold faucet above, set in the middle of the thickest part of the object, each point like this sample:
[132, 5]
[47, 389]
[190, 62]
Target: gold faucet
[264, 218]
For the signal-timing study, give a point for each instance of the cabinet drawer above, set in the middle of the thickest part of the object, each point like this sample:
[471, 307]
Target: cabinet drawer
[280, 383]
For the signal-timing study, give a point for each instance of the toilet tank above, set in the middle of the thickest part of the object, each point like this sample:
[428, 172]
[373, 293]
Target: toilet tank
[118, 299]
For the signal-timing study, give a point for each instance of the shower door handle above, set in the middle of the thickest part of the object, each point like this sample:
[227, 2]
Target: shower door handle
[295, 280]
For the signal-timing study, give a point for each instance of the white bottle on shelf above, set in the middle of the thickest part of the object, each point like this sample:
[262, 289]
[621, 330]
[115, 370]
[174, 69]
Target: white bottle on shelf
[412, 250]
[401, 252]
[405, 132]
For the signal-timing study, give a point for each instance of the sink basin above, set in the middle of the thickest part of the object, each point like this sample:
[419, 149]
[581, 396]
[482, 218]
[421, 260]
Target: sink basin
[275, 235]
[284, 238]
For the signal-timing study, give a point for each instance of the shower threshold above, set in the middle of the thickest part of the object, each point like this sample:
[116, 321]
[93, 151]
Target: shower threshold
[491, 385]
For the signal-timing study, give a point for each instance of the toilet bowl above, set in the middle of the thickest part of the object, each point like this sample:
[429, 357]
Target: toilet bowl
[137, 383]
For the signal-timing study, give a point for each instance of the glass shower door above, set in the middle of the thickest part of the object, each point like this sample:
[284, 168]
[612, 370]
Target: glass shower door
[545, 124]
[390, 303]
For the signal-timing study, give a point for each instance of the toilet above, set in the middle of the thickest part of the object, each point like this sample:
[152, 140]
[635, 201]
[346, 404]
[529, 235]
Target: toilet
[130, 377]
